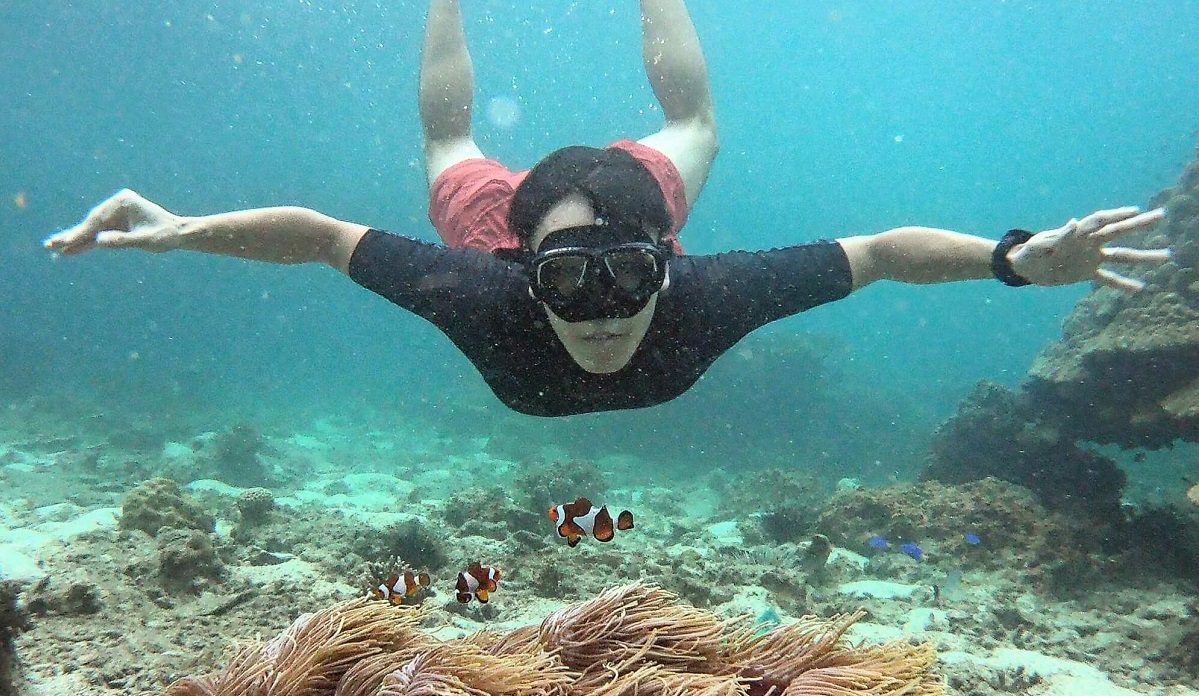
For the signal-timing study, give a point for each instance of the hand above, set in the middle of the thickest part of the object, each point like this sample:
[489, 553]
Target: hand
[124, 221]
[1074, 251]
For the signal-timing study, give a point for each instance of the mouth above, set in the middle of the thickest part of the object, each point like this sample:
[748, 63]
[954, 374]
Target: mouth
[602, 336]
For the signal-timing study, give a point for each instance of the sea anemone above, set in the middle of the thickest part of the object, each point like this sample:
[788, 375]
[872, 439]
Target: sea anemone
[635, 640]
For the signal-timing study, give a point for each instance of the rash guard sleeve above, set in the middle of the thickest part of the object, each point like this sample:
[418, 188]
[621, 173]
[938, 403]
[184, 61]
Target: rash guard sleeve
[454, 289]
[734, 293]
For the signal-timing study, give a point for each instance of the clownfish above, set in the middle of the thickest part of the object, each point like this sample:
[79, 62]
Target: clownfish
[580, 518]
[398, 586]
[477, 581]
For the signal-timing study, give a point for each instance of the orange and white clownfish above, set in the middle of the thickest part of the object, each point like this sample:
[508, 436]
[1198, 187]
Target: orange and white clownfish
[398, 586]
[477, 581]
[580, 518]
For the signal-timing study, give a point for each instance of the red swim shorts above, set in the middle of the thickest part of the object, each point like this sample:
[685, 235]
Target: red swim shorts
[469, 201]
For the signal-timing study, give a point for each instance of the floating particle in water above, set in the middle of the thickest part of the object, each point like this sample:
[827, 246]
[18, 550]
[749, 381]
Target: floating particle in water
[1193, 494]
[913, 550]
[20, 200]
[503, 112]
[898, 138]
[878, 543]
[973, 539]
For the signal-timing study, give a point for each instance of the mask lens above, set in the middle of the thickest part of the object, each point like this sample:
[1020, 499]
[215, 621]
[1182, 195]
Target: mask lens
[633, 270]
[562, 275]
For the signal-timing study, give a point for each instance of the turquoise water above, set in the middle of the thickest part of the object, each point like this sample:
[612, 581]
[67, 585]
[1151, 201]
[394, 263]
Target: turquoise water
[381, 444]
[835, 119]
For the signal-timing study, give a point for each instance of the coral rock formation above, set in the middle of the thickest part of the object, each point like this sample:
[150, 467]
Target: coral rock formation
[1125, 372]
[992, 435]
[12, 620]
[255, 504]
[236, 457]
[186, 559]
[938, 517]
[159, 503]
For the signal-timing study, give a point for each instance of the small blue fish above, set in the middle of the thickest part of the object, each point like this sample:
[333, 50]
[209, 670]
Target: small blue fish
[973, 539]
[913, 550]
[878, 543]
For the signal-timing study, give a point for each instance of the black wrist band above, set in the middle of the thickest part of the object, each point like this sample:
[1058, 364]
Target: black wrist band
[1000, 266]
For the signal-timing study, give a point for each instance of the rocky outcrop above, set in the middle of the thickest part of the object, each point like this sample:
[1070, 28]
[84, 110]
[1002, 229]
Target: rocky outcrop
[1125, 372]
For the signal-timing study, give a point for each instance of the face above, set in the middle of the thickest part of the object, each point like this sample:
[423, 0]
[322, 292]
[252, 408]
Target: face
[599, 345]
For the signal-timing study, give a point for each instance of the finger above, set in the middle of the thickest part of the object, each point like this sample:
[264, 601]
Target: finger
[67, 238]
[112, 239]
[1117, 281]
[1102, 218]
[1126, 255]
[110, 213]
[1132, 224]
[69, 242]
[76, 247]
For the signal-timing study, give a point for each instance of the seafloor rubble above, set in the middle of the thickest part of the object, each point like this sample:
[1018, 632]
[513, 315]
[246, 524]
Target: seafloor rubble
[1125, 373]
[13, 620]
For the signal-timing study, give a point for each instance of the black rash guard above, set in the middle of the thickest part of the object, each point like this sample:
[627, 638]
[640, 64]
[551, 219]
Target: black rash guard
[483, 305]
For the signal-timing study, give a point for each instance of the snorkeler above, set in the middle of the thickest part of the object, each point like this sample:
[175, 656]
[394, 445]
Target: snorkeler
[470, 195]
[565, 286]
[602, 316]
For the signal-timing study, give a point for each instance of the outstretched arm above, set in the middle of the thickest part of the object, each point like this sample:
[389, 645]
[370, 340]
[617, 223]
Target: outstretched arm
[447, 86]
[674, 63]
[1069, 254]
[284, 235]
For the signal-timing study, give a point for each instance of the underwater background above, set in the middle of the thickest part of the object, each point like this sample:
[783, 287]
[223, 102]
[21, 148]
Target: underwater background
[835, 119]
[838, 119]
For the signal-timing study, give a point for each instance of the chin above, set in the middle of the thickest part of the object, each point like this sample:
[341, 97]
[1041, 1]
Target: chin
[602, 367]
[603, 346]
[605, 360]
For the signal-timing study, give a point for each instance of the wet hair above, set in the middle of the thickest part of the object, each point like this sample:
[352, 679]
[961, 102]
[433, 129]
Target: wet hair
[619, 188]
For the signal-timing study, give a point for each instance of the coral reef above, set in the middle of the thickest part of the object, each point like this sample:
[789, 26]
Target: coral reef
[775, 505]
[816, 555]
[160, 503]
[1146, 343]
[1186, 653]
[13, 619]
[474, 507]
[187, 561]
[1125, 372]
[995, 525]
[254, 504]
[236, 457]
[1164, 540]
[991, 435]
[76, 599]
[634, 639]
[938, 517]
[410, 540]
[545, 485]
